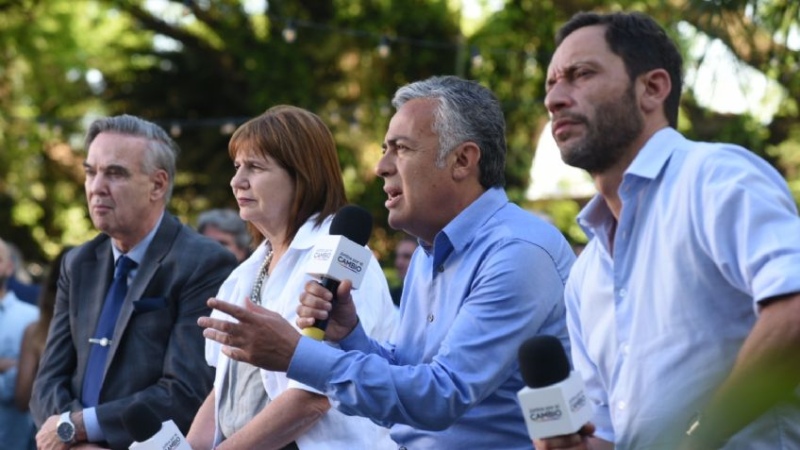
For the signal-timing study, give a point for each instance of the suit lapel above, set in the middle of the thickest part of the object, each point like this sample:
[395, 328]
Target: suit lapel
[159, 248]
[93, 284]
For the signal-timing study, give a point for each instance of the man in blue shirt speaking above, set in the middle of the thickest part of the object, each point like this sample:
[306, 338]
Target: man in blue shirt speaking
[486, 277]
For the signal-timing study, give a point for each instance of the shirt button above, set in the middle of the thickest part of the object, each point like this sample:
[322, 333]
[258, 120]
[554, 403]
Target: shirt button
[621, 405]
[623, 292]
[430, 317]
[626, 349]
[440, 269]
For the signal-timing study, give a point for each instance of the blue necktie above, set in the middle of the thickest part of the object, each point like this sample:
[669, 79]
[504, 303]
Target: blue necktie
[99, 343]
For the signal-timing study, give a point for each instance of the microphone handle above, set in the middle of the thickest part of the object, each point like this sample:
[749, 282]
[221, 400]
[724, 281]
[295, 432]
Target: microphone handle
[317, 331]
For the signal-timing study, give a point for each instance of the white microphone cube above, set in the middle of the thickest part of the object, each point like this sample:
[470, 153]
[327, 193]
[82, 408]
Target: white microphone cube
[555, 410]
[168, 438]
[339, 258]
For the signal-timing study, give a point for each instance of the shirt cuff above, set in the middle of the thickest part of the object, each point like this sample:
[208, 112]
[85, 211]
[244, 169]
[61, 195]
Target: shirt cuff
[312, 363]
[356, 340]
[93, 431]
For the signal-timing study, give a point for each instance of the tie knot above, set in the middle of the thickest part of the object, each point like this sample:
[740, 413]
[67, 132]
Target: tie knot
[124, 265]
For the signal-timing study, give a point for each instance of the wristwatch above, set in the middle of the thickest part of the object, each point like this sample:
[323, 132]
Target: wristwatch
[65, 429]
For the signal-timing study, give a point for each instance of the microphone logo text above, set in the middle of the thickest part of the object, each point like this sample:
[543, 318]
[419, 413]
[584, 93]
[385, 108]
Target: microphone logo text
[350, 263]
[545, 413]
[323, 254]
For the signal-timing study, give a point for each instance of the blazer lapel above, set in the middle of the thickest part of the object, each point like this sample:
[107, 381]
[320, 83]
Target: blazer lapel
[159, 247]
[93, 284]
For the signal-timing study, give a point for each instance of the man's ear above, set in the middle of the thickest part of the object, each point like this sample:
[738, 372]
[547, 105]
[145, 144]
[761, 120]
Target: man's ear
[465, 160]
[160, 181]
[655, 88]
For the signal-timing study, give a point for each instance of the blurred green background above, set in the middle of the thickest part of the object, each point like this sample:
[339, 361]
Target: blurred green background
[201, 67]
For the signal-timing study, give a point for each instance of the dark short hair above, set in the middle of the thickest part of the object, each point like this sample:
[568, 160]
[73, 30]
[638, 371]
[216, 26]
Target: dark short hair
[466, 111]
[303, 145]
[642, 44]
[162, 150]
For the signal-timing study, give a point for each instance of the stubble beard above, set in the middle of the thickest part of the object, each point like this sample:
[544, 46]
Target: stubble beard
[617, 124]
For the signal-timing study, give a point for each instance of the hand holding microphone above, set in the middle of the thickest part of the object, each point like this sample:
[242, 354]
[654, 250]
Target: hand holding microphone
[554, 402]
[340, 256]
[149, 433]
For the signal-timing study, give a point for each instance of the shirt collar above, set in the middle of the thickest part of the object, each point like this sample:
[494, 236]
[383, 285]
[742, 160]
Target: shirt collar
[8, 300]
[462, 230]
[138, 250]
[648, 164]
[306, 236]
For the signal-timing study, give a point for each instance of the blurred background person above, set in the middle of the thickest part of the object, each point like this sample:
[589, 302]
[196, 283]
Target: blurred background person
[226, 227]
[35, 335]
[402, 258]
[15, 315]
[20, 281]
[288, 185]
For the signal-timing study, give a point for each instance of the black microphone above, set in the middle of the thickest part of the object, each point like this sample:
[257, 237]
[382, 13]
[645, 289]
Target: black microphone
[341, 255]
[554, 401]
[149, 433]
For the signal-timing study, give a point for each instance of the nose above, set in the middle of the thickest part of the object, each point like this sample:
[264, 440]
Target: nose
[238, 180]
[96, 184]
[557, 98]
[385, 165]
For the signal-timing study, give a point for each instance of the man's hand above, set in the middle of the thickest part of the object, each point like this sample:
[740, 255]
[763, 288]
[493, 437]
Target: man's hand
[261, 337]
[46, 438]
[315, 303]
[581, 440]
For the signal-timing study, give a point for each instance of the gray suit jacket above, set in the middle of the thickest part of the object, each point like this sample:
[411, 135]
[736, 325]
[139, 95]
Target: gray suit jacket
[157, 354]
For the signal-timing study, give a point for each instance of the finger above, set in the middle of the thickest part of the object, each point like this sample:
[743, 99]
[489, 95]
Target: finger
[313, 288]
[234, 353]
[587, 430]
[304, 322]
[217, 336]
[343, 293]
[241, 314]
[305, 312]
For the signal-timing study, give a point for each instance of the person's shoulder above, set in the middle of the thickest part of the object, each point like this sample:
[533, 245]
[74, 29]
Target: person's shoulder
[512, 221]
[87, 250]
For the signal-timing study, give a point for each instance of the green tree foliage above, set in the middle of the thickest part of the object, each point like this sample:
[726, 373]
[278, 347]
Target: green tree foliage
[202, 67]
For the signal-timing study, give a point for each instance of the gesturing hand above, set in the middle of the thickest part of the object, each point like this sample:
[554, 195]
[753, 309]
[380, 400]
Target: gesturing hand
[260, 337]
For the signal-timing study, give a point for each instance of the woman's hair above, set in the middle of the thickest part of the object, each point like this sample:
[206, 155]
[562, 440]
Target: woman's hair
[303, 145]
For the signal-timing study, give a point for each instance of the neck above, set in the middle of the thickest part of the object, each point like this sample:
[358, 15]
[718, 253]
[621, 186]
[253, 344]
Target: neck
[608, 181]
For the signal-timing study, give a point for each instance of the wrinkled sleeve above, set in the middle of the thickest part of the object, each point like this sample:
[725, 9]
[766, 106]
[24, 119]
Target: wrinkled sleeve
[514, 293]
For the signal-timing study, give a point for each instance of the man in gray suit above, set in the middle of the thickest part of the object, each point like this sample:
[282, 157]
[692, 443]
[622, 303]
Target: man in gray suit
[152, 349]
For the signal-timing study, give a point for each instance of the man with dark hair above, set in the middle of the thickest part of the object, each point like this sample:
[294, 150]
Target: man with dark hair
[684, 307]
[127, 335]
[488, 276]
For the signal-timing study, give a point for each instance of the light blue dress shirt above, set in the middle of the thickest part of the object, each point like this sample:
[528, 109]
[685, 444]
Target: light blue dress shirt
[16, 427]
[449, 378]
[706, 232]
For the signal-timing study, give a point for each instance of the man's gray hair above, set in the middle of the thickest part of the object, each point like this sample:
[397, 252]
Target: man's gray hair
[466, 111]
[163, 151]
[228, 221]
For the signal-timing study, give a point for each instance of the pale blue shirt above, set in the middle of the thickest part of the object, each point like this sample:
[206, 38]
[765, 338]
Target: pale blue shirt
[16, 427]
[706, 232]
[449, 379]
[93, 431]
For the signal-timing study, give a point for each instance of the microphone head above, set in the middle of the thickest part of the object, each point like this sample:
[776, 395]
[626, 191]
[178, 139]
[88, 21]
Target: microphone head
[141, 422]
[543, 361]
[354, 223]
